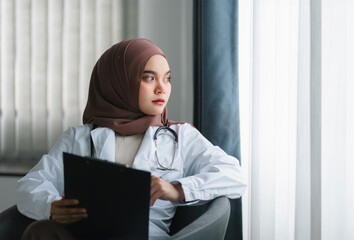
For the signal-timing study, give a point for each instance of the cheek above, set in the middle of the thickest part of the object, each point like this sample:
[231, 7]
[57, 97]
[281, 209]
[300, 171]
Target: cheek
[141, 96]
[143, 91]
[168, 90]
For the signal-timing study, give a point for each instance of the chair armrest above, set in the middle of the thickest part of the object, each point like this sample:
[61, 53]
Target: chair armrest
[210, 225]
[13, 223]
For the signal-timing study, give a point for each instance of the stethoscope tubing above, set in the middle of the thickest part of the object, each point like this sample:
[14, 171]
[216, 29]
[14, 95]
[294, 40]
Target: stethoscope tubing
[160, 166]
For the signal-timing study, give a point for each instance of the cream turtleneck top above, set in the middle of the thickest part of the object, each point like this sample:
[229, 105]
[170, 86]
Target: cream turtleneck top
[126, 148]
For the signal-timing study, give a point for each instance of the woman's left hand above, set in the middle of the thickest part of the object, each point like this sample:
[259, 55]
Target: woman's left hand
[160, 189]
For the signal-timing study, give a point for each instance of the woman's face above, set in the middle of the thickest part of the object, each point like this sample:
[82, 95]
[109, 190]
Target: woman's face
[155, 86]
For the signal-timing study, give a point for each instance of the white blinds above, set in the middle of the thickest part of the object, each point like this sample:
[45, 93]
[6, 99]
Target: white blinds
[48, 49]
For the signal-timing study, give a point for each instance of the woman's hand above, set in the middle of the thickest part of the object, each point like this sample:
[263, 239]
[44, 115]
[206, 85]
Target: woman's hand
[160, 189]
[60, 213]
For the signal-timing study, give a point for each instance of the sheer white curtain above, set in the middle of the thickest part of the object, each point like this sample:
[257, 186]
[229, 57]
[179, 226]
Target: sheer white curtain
[297, 118]
[48, 50]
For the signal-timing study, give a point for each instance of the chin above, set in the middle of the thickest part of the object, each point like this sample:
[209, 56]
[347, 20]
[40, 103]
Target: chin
[155, 113]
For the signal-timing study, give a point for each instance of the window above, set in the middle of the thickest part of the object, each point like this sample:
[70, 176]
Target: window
[48, 50]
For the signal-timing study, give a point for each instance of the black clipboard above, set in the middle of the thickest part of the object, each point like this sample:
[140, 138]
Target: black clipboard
[117, 198]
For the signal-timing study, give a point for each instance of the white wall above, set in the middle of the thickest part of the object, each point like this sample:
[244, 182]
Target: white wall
[169, 24]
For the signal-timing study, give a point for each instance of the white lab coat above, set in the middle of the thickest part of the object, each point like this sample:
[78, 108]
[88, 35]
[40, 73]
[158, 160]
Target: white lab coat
[205, 171]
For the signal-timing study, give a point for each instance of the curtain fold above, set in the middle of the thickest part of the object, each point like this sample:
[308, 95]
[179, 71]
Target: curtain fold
[216, 86]
[55, 70]
[300, 165]
[7, 84]
[337, 113]
[39, 44]
[23, 76]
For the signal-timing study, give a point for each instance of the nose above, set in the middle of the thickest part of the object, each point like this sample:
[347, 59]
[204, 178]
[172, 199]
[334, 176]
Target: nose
[159, 88]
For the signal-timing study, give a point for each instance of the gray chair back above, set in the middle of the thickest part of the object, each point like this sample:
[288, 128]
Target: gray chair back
[13, 224]
[207, 222]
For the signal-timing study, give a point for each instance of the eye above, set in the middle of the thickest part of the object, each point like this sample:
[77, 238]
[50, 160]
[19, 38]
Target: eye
[148, 78]
[168, 79]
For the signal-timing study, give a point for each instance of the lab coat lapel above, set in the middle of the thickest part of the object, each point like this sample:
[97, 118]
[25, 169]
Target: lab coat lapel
[146, 150]
[104, 143]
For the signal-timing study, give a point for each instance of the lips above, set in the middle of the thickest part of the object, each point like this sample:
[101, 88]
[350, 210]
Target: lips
[159, 101]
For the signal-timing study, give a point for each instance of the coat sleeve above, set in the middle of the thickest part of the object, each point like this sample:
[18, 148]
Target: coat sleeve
[208, 171]
[44, 183]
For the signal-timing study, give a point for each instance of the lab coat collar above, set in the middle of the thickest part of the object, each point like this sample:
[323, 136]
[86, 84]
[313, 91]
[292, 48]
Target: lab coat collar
[144, 153]
[104, 143]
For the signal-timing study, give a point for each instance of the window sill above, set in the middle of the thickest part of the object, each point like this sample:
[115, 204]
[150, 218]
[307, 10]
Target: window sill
[15, 168]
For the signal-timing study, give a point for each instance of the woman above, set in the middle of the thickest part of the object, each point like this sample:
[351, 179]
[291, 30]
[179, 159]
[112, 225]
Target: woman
[129, 90]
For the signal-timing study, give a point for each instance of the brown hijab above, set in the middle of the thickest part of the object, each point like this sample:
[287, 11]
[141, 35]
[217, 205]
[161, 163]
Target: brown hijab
[113, 99]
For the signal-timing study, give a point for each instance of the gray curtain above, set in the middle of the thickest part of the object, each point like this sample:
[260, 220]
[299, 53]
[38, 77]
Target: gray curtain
[216, 84]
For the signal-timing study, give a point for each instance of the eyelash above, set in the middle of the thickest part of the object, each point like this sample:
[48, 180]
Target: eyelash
[151, 78]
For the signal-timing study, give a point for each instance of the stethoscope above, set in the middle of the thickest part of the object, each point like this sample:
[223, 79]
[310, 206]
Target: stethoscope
[159, 166]
[175, 144]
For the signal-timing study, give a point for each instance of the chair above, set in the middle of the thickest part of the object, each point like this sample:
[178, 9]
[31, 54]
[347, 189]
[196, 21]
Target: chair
[207, 221]
[13, 224]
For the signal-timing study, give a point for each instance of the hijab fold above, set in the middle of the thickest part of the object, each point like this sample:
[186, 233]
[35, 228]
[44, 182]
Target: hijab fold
[113, 99]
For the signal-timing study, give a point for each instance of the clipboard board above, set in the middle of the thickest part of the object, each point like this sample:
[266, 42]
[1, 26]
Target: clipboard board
[117, 198]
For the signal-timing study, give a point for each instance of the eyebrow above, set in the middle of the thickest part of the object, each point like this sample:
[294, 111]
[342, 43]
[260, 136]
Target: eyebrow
[153, 72]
